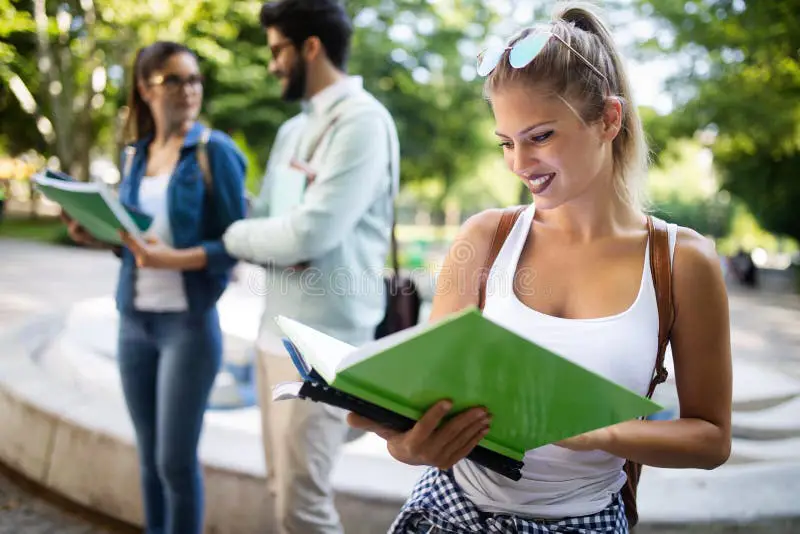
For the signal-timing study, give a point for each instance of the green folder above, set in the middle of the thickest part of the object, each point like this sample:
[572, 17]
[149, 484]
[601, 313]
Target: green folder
[95, 207]
[535, 397]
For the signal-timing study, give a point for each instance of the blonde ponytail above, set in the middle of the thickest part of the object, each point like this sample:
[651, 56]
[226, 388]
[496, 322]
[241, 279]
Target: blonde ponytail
[630, 146]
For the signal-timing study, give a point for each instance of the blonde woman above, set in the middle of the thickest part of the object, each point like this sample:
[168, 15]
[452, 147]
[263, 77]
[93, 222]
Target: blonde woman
[578, 256]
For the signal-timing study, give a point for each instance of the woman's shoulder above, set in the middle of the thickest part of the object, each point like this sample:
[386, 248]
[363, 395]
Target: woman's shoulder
[482, 225]
[476, 234]
[220, 139]
[696, 263]
[693, 249]
[220, 142]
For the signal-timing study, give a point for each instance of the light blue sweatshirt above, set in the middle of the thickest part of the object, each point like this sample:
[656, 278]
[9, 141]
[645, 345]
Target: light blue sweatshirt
[342, 225]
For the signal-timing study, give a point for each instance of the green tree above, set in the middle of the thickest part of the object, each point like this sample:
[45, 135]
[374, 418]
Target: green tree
[66, 69]
[17, 48]
[741, 82]
[72, 59]
[411, 55]
[417, 58]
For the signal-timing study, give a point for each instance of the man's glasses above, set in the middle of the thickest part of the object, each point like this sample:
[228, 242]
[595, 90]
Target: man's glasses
[523, 52]
[174, 83]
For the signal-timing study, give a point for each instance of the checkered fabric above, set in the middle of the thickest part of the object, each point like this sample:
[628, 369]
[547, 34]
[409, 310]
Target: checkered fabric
[437, 505]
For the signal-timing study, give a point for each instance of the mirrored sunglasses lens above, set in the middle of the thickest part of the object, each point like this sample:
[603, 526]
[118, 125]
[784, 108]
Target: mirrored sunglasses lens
[489, 60]
[526, 50]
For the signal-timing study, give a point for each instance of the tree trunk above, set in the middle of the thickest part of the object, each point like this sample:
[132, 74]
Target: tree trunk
[49, 68]
[33, 213]
[85, 137]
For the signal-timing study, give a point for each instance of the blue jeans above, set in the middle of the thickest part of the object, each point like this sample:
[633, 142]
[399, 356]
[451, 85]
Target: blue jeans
[168, 363]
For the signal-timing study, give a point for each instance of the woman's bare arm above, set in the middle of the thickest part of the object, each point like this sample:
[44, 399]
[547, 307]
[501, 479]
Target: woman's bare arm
[701, 437]
[458, 282]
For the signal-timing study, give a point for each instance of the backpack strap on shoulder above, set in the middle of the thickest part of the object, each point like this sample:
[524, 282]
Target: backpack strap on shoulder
[504, 226]
[661, 269]
[202, 157]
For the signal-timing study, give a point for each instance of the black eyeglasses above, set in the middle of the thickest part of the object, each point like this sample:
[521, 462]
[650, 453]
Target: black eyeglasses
[174, 83]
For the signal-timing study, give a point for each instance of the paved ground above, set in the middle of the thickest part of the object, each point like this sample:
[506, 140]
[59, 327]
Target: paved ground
[37, 279]
[24, 510]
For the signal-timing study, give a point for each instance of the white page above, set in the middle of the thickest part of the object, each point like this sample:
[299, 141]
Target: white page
[65, 185]
[112, 201]
[369, 350]
[286, 391]
[321, 351]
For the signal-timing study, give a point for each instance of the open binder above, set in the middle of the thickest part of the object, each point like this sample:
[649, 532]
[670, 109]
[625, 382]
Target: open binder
[315, 388]
[535, 396]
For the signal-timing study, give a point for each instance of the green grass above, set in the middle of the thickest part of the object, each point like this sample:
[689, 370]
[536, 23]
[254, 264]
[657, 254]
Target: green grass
[44, 229]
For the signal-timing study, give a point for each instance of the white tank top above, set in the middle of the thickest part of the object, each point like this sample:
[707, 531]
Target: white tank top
[557, 482]
[158, 290]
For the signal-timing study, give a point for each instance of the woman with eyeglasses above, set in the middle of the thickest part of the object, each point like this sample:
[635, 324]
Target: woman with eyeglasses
[170, 342]
[579, 260]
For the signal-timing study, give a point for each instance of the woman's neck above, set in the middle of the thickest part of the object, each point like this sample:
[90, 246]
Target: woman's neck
[167, 135]
[598, 213]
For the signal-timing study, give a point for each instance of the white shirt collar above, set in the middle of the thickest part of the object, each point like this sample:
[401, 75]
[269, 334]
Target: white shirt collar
[322, 101]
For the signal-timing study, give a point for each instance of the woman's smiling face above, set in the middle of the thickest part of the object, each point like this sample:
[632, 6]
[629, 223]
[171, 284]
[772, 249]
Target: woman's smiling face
[556, 154]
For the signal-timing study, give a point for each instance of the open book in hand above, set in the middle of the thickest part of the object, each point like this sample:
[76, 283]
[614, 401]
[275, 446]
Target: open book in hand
[535, 397]
[94, 206]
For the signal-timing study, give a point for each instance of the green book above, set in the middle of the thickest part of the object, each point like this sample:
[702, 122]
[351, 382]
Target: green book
[535, 397]
[95, 207]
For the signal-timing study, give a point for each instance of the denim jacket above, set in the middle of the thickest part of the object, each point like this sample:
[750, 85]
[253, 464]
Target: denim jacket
[197, 216]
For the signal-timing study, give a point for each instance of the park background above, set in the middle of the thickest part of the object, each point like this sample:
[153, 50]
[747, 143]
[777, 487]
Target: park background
[717, 84]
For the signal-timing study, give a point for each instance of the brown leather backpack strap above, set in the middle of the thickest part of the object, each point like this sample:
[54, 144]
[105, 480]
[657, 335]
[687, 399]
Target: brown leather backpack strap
[661, 269]
[507, 220]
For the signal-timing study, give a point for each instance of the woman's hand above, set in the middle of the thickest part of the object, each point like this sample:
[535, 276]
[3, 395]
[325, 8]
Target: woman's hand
[152, 252]
[427, 443]
[79, 234]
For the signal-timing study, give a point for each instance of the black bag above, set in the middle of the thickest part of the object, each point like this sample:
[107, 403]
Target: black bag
[402, 299]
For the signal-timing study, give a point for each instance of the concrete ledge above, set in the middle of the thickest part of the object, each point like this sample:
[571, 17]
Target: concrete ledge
[755, 387]
[730, 494]
[752, 450]
[81, 446]
[779, 422]
[752, 393]
[78, 441]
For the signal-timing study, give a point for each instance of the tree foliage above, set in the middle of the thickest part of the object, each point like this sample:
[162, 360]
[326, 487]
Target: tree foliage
[740, 80]
[414, 55]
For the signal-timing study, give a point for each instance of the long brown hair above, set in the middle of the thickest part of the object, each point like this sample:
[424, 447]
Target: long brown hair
[139, 123]
[557, 69]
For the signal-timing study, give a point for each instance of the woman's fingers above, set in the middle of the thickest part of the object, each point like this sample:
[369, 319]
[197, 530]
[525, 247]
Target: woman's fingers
[459, 449]
[131, 243]
[362, 423]
[454, 428]
[427, 443]
[78, 234]
[427, 424]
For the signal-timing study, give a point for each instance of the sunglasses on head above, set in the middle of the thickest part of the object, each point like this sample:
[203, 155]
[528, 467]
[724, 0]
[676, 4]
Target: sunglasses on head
[524, 51]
